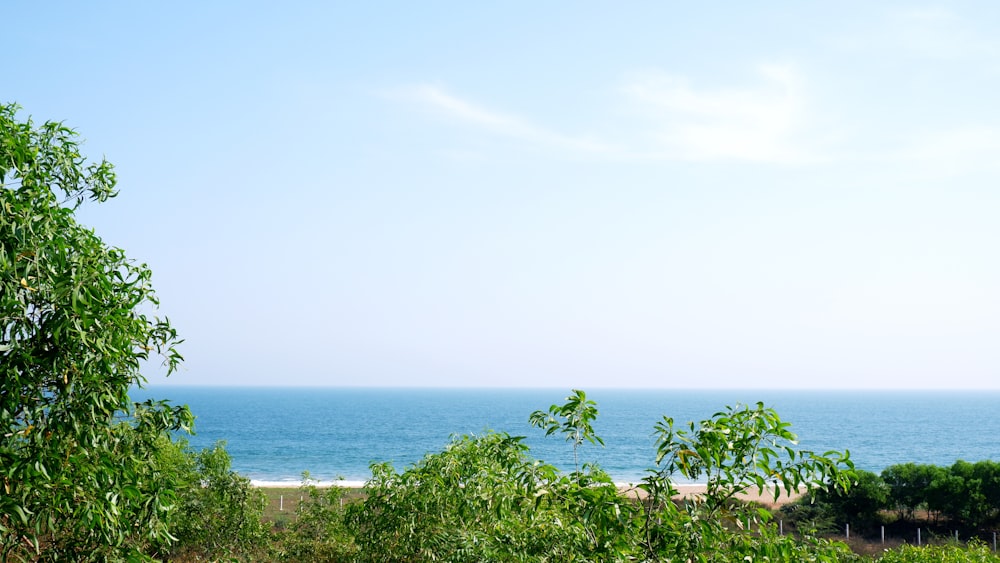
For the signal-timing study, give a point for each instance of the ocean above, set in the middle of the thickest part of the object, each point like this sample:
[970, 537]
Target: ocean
[274, 434]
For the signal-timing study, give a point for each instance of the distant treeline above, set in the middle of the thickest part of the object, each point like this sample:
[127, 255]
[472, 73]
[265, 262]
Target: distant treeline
[964, 496]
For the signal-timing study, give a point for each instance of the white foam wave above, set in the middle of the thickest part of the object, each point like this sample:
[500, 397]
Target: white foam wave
[295, 484]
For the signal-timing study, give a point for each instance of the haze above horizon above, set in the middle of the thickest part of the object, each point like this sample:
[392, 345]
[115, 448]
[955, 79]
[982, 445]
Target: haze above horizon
[789, 195]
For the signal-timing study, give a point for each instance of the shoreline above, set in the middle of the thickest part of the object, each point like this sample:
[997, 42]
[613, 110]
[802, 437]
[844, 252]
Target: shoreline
[766, 497]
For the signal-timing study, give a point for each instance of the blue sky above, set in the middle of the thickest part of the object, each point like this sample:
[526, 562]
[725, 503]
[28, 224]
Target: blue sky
[656, 194]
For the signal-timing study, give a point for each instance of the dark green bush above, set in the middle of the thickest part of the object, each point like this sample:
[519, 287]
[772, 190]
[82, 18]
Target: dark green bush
[860, 506]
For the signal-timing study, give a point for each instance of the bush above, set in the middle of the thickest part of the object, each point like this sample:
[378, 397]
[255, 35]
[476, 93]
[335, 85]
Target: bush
[860, 506]
[218, 511]
[974, 553]
[908, 485]
[484, 499]
[318, 532]
[966, 494]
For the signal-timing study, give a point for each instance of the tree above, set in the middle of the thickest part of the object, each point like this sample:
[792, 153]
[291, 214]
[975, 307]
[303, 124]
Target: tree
[860, 506]
[946, 495]
[908, 485]
[737, 450]
[75, 331]
[974, 485]
[573, 418]
[988, 474]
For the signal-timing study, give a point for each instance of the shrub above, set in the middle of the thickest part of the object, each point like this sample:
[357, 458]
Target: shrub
[974, 553]
[859, 506]
[318, 532]
[736, 450]
[219, 511]
[484, 499]
[908, 485]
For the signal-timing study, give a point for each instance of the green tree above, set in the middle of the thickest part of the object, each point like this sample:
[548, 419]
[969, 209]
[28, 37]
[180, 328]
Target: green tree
[988, 474]
[976, 504]
[908, 485]
[945, 495]
[573, 418]
[75, 330]
[859, 506]
[737, 450]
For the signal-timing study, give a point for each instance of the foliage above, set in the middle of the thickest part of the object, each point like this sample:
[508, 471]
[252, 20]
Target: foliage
[573, 419]
[966, 494]
[810, 517]
[75, 330]
[859, 506]
[974, 553]
[484, 499]
[737, 450]
[908, 485]
[744, 448]
[319, 532]
[978, 501]
[219, 511]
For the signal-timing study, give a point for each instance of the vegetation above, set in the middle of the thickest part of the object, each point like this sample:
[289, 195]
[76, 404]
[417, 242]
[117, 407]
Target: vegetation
[319, 530]
[573, 419]
[218, 512]
[735, 451]
[75, 328]
[963, 497]
[974, 553]
[86, 475]
[484, 498]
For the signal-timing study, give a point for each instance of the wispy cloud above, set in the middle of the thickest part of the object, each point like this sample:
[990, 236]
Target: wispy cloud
[750, 123]
[499, 123]
[766, 120]
[669, 120]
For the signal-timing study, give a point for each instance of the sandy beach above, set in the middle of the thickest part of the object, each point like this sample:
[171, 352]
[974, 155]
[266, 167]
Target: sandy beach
[765, 498]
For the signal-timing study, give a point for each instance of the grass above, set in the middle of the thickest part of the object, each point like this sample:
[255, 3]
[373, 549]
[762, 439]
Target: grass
[283, 502]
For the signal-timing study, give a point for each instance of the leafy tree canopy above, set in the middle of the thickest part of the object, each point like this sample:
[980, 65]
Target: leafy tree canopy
[76, 326]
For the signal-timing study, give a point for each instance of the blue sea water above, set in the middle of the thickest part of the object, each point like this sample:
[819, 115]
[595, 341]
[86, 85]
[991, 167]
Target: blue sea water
[274, 434]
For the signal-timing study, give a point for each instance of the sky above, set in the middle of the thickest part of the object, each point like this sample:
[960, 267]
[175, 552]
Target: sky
[544, 194]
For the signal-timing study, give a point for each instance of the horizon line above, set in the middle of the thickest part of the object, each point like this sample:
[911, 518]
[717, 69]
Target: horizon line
[546, 387]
